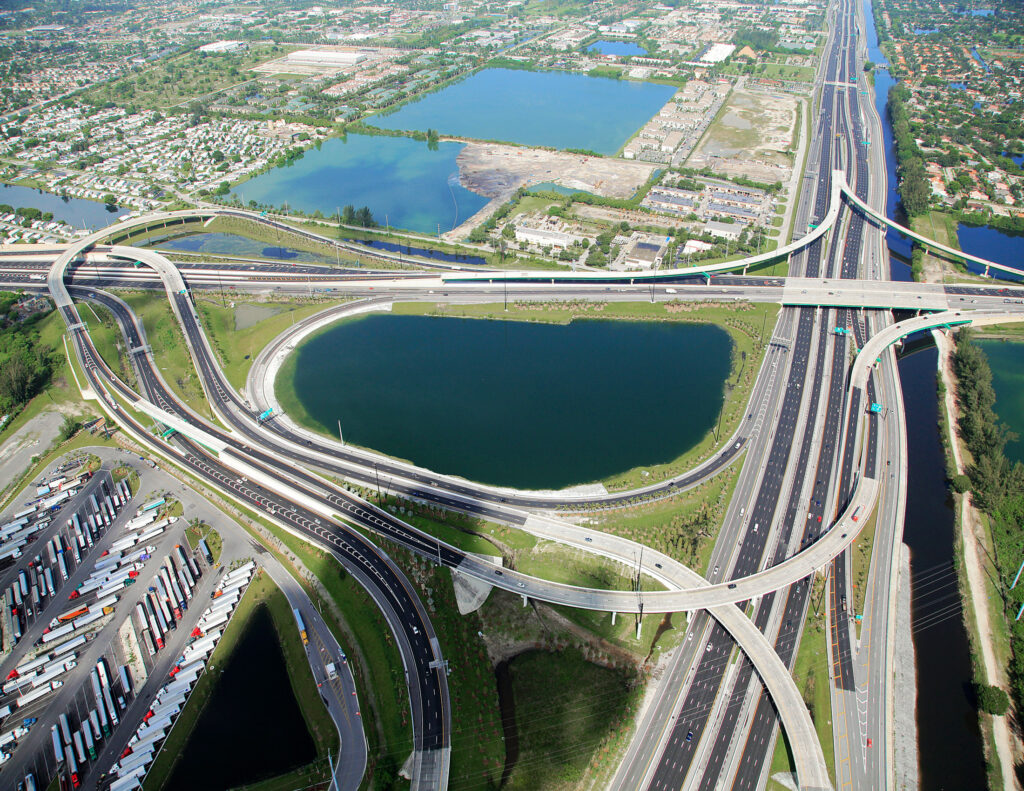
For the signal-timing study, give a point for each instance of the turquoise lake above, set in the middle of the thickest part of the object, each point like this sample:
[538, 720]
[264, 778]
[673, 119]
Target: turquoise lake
[552, 108]
[403, 181]
[1006, 359]
[513, 403]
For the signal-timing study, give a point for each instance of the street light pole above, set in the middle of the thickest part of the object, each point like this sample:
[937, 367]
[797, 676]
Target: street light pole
[341, 439]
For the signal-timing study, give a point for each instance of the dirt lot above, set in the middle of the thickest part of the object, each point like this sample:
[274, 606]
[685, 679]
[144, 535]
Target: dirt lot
[751, 138]
[497, 171]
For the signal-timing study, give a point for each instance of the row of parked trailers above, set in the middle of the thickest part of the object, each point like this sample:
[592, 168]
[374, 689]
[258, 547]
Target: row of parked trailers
[130, 770]
[44, 575]
[160, 608]
[36, 514]
[74, 745]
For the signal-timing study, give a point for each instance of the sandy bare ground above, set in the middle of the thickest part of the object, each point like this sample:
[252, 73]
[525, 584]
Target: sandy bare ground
[1006, 744]
[751, 137]
[495, 170]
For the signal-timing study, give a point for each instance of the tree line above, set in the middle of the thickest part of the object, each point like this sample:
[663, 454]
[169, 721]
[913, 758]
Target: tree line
[25, 363]
[997, 487]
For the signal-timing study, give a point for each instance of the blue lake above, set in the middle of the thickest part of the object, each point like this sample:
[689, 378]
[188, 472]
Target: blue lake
[623, 49]
[551, 108]
[403, 181]
[991, 244]
[73, 211]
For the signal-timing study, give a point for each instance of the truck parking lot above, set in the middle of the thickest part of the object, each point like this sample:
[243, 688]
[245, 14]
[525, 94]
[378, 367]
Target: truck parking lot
[84, 660]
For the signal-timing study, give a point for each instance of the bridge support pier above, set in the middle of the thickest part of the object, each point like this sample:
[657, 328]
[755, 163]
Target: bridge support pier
[986, 271]
[639, 623]
[613, 617]
[526, 600]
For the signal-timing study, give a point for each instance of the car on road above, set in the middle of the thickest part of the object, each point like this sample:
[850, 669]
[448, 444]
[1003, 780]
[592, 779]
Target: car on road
[689, 736]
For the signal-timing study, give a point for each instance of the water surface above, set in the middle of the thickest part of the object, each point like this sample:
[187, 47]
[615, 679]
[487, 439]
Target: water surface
[74, 211]
[406, 183]
[1006, 359]
[552, 108]
[992, 244]
[242, 737]
[236, 245]
[945, 713]
[623, 49]
[514, 403]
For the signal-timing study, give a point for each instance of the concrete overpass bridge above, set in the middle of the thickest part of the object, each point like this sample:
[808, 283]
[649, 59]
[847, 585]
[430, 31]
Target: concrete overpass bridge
[840, 192]
[698, 593]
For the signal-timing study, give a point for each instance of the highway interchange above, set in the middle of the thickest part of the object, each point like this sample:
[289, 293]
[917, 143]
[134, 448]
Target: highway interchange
[815, 458]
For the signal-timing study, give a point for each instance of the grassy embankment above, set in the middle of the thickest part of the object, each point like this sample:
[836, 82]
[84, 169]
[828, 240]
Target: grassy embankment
[942, 228]
[590, 702]
[743, 321]
[236, 348]
[810, 671]
[107, 338]
[262, 592]
[569, 716]
[169, 349]
[860, 563]
[546, 559]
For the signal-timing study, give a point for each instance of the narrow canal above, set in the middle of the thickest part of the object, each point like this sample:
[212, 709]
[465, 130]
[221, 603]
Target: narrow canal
[950, 753]
[948, 739]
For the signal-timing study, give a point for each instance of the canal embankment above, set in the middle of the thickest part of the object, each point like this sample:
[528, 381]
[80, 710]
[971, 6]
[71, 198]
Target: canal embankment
[974, 575]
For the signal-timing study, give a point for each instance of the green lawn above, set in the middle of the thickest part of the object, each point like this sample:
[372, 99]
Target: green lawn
[780, 71]
[236, 348]
[860, 562]
[683, 527]
[810, 671]
[169, 349]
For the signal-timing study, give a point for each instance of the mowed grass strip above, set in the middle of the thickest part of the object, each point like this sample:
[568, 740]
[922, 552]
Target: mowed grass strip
[236, 348]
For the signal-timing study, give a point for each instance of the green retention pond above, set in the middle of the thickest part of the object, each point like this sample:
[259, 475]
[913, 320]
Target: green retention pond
[512, 403]
[1006, 359]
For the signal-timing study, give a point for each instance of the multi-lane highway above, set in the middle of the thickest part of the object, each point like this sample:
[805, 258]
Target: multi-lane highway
[816, 460]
